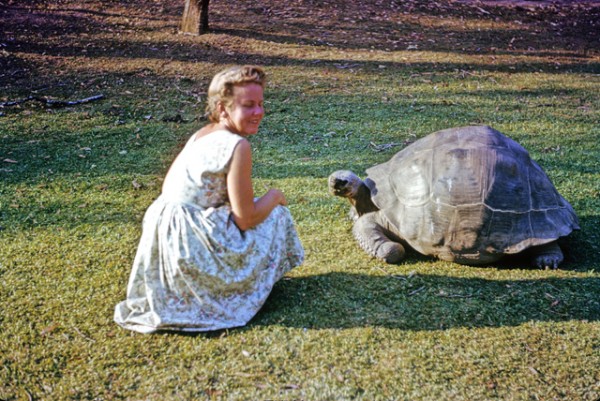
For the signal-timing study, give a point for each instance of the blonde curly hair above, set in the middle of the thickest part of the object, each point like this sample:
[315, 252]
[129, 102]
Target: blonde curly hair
[221, 86]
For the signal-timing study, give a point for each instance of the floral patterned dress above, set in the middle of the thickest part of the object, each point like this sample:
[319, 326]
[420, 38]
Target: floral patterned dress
[194, 269]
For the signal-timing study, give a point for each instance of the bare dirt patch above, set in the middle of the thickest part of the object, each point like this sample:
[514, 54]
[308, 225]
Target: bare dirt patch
[50, 42]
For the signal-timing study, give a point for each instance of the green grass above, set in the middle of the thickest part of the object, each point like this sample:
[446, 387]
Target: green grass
[75, 183]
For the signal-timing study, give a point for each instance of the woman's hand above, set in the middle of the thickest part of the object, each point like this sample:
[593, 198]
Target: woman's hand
[278, 196]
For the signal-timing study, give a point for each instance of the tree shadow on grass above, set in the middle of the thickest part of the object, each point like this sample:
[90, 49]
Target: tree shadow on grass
[420, 302]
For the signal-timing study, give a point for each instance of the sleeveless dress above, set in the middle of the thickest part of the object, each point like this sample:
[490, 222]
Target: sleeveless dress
[194, 269]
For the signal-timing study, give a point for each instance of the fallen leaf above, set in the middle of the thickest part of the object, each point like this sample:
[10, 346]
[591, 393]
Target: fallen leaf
[9, 161]
[291, 387]
[48, 329]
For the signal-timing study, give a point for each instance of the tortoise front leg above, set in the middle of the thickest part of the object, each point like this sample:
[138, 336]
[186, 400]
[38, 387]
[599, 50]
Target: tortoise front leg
[546, 256]
[372, 237]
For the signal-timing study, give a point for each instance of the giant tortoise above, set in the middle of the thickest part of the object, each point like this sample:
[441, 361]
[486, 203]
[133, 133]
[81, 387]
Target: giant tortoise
[469, 195]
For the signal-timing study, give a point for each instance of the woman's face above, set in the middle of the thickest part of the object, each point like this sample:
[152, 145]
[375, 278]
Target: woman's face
[246, 111]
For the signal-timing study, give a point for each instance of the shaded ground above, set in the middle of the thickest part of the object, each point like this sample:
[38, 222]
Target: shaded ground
[44, 42]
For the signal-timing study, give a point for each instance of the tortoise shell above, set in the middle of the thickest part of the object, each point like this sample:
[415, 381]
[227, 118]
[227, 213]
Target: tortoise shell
[467, 194]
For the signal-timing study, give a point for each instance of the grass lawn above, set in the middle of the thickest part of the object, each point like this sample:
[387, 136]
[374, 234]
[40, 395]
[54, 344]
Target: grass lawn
[350, 84]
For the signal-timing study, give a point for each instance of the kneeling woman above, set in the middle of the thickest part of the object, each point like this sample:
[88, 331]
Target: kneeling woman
[210, 252]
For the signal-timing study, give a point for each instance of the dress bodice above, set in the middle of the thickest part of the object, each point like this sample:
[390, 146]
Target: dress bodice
[199, 174]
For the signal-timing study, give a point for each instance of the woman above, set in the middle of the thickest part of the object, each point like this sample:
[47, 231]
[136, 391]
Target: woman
[210, 252]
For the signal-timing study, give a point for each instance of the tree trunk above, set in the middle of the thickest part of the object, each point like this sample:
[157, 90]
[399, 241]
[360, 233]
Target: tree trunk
[195, 17]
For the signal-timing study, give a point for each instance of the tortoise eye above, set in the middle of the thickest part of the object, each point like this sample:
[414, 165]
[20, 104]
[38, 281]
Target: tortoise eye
[340, 184]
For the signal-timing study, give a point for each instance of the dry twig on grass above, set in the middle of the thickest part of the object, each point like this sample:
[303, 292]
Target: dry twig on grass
[52, 102]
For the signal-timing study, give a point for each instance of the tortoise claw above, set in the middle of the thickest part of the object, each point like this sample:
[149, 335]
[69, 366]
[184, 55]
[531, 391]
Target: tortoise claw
[547, 256]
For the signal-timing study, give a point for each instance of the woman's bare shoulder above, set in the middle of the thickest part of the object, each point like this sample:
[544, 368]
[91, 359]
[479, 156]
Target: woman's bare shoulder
[207, 129]
[212, 128]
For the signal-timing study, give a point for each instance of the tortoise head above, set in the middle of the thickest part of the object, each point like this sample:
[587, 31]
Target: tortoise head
[345, 183]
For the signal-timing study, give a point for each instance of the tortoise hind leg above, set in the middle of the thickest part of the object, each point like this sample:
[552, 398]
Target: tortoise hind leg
[546, 256]
[372, 237]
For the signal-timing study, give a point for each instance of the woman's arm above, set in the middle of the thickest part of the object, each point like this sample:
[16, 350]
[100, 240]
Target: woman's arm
[248, 213]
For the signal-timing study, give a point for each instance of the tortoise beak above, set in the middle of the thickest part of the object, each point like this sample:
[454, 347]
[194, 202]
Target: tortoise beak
[339, 187]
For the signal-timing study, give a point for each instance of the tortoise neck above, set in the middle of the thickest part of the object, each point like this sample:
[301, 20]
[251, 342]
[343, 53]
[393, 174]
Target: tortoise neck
[362, 201]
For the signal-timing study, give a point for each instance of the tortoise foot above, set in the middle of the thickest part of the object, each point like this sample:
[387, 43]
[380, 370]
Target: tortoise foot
[391, 252]
[376, 241]
[548, 256]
